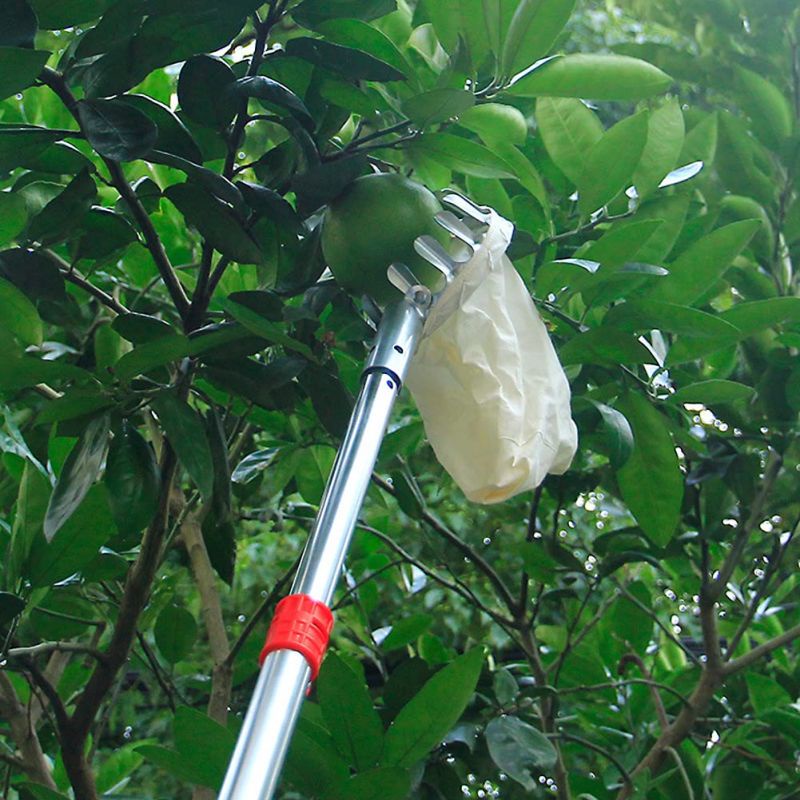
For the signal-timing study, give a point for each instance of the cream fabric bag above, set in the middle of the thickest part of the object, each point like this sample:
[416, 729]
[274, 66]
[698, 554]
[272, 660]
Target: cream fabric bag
[493, 397]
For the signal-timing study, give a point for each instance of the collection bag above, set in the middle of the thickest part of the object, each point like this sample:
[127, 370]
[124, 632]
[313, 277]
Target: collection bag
[493, 397]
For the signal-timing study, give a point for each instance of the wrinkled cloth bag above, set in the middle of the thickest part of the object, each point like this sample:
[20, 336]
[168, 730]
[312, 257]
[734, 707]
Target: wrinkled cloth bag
[493, 397]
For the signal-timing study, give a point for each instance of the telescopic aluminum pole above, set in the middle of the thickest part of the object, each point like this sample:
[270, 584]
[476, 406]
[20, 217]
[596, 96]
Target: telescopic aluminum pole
[299, 632]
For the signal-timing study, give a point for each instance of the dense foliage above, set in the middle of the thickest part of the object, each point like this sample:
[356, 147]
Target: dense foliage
[176, 375]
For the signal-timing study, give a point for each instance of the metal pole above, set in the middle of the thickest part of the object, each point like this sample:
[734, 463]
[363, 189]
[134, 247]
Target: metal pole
[256, 764]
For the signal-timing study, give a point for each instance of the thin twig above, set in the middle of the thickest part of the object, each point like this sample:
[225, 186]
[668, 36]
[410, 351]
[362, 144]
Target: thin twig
[597, 749]
[53, 647]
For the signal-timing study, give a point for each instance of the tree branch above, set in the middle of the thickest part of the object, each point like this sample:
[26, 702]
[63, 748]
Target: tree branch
[55, 80]
[737, 664]
[52, 647]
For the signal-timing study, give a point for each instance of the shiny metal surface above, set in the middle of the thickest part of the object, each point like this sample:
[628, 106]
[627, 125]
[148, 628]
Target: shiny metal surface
[264, 739]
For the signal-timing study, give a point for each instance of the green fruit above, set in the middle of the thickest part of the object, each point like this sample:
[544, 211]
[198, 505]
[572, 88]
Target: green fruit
[373, 223]
[734, 207]
[495, 122]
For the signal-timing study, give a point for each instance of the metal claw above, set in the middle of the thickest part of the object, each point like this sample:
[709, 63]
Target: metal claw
[481, 214]
[401, 277]
[455, 226]
[435, 254]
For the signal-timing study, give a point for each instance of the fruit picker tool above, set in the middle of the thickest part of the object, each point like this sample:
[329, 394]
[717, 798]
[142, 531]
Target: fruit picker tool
[299, 632]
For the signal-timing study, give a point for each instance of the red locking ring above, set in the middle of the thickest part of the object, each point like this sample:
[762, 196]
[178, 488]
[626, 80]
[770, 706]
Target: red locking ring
[301, 624]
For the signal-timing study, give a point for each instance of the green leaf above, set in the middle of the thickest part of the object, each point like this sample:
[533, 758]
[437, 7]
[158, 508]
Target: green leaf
[427, 718]
[313, 765]
[407, 630]
[437, 105]
[19, 68]
[605, 345]
[765, 694]
[349, 713]
[18, 24]
[665, 135]
[534, 28]
[18, 315]
[132, 478]
[264, 328]
[363, 36]
[216, 222]
[13, 216]
[383, 783]
[32, 499]
[203, 91]
[59, 158]
[611, 162]
[175, 632]
[758, 315]
[273, 93]
[599, 77]
[217, 184]
[187, 436]
[312, 13]
[11, 605]
[54, 15]
[460, 25]
[321, 183]
[116, 130]
[140, 328]
[20, 373]
[617, 433]
[461, 155]
[173, 135]
[57, 220]
[21, 142]
[148, 356]
[569, 132]
[765, 104]
[117, 766]
[80, 471]
[653, 463]
[103, 233]
[647, 315]
[75, 545]
[713, 391]
[702, 264]
[346, 61]
[518, 748]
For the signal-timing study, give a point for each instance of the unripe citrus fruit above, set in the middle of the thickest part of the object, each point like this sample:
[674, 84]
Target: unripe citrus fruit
[373, 223]
[495, 122]
[734, 207]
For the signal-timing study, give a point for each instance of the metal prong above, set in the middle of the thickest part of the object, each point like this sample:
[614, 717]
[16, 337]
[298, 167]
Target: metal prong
[452, 224]
[435, 254]
[457, 201]
[401, 277]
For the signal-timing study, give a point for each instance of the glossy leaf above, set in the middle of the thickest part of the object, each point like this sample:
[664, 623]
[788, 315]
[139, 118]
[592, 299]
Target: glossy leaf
[702, 264]
[150, 355]
[21, 142]
[311, 13]
[273, 93]
[596, 77]
[18, 315]
[216, 222]
[116, 130]
[175, 632]
[187, 436]
[611, 163]
[532, 32]
[653, 463]
[569, 131]
[347, 61]
[132, 477]
[437, 105]
[173, 136]
[18, 24]
[519, 749]
[76, 542]
[19, 68]
[203, 91]
[665, 136]
[32, 499]
[462, 155]
[431, 713]
[407, 630]
[712, 391]
[56, 221]
[80, 471]
[349, 713]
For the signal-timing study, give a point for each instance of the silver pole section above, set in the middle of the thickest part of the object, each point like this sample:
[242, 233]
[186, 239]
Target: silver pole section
[256, 764]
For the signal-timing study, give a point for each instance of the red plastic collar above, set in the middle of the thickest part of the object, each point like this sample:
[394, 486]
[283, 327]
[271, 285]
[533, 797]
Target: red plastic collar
[302, 624]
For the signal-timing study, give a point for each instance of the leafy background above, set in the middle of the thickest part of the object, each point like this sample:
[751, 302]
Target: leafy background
[176, 376]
